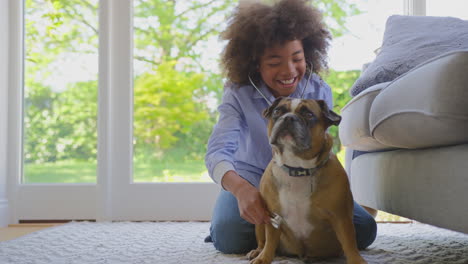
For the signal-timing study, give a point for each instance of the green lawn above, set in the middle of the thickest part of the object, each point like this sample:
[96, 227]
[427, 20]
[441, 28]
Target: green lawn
[70, 171]
[156, 171]
[85, 172]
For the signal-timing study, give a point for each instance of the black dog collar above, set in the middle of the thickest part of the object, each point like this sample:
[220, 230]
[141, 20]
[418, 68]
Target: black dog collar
[300, 172]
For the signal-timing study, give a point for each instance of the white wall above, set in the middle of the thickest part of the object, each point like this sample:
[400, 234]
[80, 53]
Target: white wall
[3, 110]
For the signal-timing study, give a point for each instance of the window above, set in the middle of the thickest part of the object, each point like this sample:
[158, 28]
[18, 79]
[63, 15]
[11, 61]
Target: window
[177, 86]
[365, 34]
[170, 54]
[60, 91]
[454, 8]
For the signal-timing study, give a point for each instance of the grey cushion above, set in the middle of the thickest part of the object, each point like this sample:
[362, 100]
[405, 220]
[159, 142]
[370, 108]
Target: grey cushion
[354, 127]
[409, 41]
[426, 107]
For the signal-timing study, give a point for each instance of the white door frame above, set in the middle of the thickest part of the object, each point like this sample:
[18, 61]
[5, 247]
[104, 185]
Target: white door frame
[124, 199]
[414, 7]
[114, 197]
[4, 44]
[35, 201]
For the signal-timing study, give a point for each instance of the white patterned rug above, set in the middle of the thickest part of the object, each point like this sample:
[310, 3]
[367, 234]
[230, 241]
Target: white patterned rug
[169, 242]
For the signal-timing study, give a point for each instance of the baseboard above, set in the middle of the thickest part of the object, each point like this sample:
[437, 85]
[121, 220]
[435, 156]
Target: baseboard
[4, 218]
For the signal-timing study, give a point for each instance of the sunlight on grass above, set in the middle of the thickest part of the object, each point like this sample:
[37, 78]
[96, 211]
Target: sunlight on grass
[386, 217]
[85, 172]
[185, 171]
[60, 172]
[341, 156]
[171, 171]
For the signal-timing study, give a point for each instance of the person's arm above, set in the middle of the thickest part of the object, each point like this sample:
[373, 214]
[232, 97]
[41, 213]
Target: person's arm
[222, 145]
[224, 140]
[252, 208]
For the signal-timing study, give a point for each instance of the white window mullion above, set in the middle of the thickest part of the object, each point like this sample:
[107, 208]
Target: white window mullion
[3, 111]
[15, 103]
[115, 102]
[415, 7]
[104, 150]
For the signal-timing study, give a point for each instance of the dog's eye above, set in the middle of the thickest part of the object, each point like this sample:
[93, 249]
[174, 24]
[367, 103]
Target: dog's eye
[277, 112]
[309, 115]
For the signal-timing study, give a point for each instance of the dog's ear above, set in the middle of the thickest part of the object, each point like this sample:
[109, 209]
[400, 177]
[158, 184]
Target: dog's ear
[332, 118]
[267, 112]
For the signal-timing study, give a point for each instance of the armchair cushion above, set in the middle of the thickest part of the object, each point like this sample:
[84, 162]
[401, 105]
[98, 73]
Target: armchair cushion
[426, 107]
[409, 41]
[354, 130]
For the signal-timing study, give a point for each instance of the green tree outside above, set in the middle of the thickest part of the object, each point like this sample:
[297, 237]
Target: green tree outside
[340, 82]
[172, 116]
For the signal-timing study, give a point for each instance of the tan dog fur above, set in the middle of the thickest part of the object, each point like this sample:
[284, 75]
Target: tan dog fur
[327, 229]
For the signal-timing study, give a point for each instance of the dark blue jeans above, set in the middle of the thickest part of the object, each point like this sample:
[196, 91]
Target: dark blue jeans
[233, 235]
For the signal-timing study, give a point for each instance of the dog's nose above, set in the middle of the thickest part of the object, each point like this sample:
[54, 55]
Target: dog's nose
[289, 118]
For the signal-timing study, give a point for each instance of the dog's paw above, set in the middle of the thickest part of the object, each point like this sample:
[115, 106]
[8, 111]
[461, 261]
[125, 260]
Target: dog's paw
[260, 261]
[357, 260]
[254, 253]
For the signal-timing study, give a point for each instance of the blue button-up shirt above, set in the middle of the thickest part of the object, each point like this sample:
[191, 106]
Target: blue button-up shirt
[239, 140]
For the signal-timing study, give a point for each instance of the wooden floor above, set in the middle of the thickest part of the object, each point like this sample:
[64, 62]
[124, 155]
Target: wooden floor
[15, 231]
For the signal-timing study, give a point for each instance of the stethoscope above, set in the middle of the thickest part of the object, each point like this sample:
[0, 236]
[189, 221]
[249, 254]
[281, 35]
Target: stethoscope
[270, 102]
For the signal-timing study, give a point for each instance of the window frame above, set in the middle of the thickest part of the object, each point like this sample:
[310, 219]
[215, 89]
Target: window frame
[99, 201]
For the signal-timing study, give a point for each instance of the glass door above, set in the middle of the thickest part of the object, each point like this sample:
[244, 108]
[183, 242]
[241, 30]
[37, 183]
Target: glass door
[168, 86]
[54, 103]
[112, 103]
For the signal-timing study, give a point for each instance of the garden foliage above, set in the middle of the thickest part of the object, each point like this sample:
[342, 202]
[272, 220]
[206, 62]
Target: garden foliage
[174, 97]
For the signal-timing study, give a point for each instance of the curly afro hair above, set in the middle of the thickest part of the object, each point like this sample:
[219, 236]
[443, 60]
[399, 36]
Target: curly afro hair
[254, 26]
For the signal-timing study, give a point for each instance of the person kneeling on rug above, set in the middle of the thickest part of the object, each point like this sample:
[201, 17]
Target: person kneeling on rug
[271, 52]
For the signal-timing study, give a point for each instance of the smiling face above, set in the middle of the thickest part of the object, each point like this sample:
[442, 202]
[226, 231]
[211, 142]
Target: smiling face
[282, 67]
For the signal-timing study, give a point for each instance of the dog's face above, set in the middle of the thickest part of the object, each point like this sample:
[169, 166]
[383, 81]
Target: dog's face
[297, 123]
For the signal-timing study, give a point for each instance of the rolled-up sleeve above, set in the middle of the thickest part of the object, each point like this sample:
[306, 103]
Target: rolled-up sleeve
[224, 140]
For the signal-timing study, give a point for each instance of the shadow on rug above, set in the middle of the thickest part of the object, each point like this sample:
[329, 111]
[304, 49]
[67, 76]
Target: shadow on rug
[169, 242]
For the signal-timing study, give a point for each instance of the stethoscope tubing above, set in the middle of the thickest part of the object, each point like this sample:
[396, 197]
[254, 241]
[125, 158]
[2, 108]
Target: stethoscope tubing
[270, 102]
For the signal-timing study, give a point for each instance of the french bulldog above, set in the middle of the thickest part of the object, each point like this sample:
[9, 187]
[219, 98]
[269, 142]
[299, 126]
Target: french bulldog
[305, 187]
